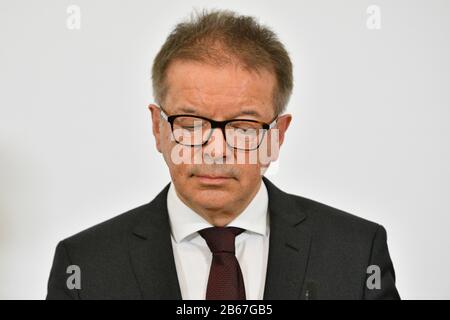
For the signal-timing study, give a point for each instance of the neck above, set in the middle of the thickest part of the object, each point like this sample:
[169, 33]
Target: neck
[221, 217]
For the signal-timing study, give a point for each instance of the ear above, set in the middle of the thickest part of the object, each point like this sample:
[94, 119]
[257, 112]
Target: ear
[283, 124]
[156, 118]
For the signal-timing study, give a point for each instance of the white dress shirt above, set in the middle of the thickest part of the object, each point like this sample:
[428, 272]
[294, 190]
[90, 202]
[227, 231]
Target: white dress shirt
[193, 257]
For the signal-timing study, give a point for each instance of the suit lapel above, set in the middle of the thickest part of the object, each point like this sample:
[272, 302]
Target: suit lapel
[289, 246]
[151, 252]
[153, 262]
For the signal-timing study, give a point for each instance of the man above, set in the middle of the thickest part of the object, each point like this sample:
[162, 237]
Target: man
[220, 230]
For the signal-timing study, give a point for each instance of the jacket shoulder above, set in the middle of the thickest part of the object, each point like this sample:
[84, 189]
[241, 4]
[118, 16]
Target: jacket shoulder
[109, 232]
[326, 218]
[319, 216]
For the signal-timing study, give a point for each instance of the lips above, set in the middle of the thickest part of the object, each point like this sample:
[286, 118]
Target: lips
[211, 176]
[212, 180]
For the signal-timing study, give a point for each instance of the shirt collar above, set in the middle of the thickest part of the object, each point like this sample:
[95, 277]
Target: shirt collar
[185, 222]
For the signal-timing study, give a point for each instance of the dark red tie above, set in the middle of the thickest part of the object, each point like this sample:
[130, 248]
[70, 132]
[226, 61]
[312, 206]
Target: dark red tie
[225, 280]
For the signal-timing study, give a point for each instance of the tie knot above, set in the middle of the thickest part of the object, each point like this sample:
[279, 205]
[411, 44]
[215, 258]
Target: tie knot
[220, 239]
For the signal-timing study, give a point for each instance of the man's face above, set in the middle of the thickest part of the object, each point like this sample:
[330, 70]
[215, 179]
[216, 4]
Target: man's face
[218, 93]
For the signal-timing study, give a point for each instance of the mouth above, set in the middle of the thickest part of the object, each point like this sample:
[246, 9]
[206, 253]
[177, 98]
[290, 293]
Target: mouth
[213, 179]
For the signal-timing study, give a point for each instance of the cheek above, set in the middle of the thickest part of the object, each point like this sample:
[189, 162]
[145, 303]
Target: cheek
[249, 175]
[165, 139]
[269, 148]
[180, 177]
[168, 146]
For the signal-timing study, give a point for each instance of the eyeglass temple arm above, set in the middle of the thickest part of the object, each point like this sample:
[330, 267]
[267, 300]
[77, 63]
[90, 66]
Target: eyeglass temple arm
[273, 123]
[163, 113]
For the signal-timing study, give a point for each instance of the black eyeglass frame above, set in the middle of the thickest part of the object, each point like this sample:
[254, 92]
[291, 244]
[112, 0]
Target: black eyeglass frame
[216, 124]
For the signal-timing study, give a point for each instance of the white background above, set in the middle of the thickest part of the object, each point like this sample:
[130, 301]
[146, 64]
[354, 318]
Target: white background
[370, 133]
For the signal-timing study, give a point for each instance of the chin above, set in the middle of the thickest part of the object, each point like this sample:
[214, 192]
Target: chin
[212, 199]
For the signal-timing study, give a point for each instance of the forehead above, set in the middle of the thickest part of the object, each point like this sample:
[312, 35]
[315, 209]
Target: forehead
[219, 91]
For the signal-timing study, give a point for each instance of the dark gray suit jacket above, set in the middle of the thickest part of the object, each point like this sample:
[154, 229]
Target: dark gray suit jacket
[315, 252]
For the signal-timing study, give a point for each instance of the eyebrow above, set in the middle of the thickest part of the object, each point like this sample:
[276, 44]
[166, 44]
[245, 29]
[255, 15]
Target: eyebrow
[250, 112]
[245, 112]
[187, 110]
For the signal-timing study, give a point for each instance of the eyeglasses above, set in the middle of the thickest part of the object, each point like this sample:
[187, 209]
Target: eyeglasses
[241, 134]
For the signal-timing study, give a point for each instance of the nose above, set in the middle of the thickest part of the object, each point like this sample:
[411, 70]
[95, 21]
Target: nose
[217, 149]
